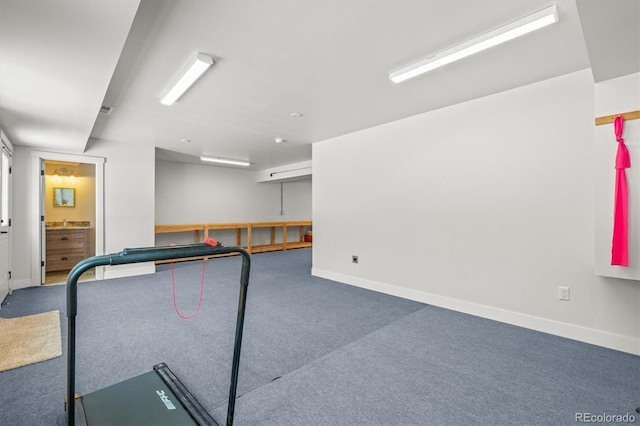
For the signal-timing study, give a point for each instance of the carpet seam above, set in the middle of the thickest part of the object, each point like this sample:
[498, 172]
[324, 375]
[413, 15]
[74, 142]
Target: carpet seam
[337, 350]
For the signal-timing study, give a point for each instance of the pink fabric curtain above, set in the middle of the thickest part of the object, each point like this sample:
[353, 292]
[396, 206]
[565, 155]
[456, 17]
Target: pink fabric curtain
[620, 248]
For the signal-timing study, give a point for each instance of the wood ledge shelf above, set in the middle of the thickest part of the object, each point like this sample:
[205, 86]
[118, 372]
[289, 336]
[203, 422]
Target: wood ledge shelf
[607, 119]
[247, 227]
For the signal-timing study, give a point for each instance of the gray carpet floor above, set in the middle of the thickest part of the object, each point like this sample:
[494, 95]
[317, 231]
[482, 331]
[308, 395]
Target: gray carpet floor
[316, 352]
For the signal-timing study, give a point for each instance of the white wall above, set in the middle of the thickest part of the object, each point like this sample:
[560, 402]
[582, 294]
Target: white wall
[129, 200]
[190, 193]
[21, 220]
[485, 207]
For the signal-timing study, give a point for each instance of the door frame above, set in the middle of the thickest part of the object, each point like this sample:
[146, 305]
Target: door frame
[7, 146]
[37, 230]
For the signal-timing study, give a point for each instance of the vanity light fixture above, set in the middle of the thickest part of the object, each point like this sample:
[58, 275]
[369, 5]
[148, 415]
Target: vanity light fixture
[537, 20]
[194, 70]
[225, 161]
[64, 172]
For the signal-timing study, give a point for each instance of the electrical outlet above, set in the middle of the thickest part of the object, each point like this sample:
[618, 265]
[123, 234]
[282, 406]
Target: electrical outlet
[563, 293]
[354, 259]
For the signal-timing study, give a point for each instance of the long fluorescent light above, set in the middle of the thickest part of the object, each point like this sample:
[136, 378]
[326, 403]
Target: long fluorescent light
[194, 70]
[225, 161]
[529, 23]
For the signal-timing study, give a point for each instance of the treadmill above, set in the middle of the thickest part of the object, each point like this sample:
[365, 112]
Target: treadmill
[158, 397]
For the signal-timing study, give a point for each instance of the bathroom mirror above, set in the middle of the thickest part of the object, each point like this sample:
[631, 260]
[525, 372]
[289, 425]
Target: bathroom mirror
[64, 197]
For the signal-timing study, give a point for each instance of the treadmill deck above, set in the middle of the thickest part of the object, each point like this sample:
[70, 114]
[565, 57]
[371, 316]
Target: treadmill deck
[150, 399]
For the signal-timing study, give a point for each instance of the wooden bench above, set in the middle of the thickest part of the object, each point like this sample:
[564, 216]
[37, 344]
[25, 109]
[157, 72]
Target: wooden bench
[207, 230]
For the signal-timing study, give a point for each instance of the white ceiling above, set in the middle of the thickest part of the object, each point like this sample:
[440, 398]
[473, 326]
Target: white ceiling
[60, 60]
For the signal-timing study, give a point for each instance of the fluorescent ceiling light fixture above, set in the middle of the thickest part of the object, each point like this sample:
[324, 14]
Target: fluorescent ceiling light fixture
[515, 29]
[194, 70]
[225, 161]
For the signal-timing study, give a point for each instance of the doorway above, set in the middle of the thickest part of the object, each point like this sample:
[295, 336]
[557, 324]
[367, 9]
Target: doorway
[79, 181]
[69, 216]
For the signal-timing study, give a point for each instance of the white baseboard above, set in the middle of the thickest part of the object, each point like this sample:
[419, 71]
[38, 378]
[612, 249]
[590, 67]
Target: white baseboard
[570, 331]
[18, 284]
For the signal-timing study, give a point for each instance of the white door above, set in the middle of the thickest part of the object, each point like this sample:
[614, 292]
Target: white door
[5, 220]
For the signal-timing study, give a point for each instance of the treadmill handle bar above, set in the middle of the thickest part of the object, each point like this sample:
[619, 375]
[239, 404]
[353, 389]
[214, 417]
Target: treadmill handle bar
[148, 254]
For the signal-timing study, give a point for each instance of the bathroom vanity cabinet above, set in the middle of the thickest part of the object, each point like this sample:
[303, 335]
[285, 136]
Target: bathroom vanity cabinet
[66, 247]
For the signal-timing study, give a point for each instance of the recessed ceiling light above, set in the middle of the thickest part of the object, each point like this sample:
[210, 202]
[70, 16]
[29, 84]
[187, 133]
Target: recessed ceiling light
[296, 114]
[280, 140]
[185, 140]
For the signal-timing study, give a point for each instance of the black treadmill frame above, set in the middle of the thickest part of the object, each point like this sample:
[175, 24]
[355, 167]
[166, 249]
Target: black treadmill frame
[148, 254]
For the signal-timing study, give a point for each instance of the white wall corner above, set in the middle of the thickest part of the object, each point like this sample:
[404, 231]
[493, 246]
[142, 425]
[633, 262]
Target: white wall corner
[18, 284]
[289, 172]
